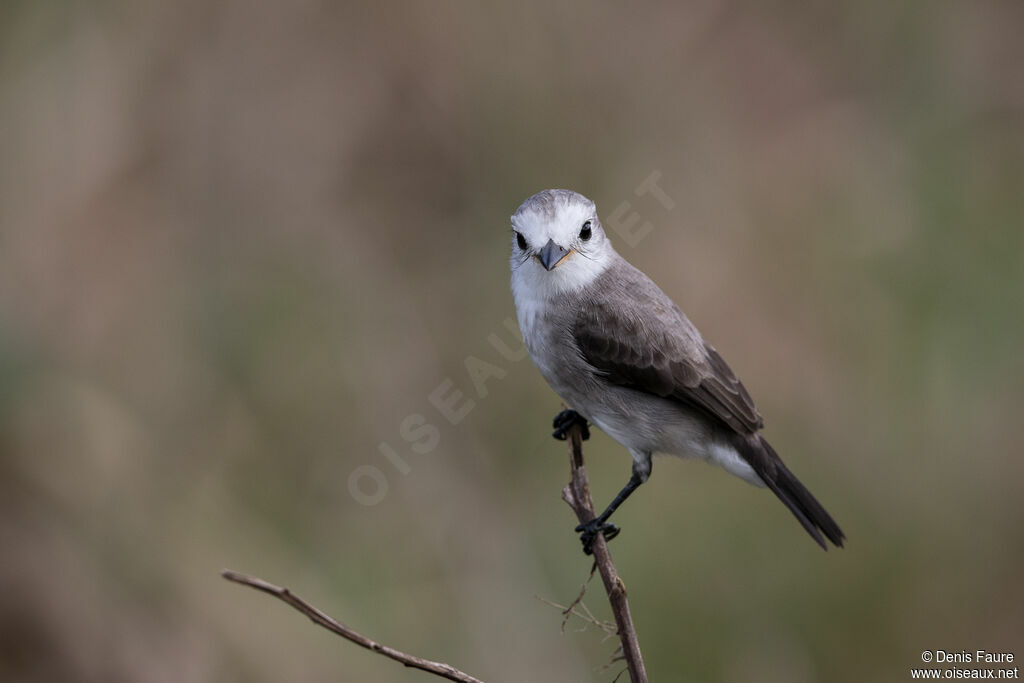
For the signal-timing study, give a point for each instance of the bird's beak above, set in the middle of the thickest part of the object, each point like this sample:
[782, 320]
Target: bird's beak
[551, 255]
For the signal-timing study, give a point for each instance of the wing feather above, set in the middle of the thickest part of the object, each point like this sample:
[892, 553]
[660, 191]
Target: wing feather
[636, 337]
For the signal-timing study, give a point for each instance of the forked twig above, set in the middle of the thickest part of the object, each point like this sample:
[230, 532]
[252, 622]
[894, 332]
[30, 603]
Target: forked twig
[577, 495]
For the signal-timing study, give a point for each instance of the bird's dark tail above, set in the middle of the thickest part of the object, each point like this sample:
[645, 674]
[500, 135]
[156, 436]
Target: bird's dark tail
[790, 491]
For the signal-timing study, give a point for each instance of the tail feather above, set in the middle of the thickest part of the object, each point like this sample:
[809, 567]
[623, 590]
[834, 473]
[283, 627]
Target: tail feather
[784, 484]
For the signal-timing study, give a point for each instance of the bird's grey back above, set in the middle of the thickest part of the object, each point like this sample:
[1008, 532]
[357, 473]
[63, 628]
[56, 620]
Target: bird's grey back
[637, 337]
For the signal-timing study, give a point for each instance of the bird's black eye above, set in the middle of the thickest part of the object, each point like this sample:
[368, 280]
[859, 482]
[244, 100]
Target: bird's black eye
[585, 232]
[520, 240]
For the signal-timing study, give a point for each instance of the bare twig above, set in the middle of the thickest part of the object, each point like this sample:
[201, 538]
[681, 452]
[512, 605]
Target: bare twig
[317, 617]
[580, 610]
[577, 494]
[579, 598]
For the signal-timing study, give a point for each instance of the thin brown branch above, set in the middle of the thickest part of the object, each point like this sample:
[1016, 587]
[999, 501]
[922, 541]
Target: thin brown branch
[581, 611]
[317, 617]
[568, 611]
[577, 494]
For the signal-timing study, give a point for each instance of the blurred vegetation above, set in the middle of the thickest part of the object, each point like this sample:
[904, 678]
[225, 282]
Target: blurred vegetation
[241, 242]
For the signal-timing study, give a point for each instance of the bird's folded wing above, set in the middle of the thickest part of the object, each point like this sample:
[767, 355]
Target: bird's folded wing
[651, 346]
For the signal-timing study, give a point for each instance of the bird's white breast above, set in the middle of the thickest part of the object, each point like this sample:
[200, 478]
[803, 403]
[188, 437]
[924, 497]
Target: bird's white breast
[531, 310]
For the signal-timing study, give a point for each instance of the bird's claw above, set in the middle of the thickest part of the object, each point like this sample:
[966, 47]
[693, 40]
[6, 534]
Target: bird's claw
[565, 420]
[589, 531]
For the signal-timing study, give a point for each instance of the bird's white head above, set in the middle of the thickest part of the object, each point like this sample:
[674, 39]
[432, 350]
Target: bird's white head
[558, 244]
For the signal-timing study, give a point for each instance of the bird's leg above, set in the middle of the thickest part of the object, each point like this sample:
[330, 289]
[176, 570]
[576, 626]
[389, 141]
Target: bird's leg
[600, 524]
[566, 419]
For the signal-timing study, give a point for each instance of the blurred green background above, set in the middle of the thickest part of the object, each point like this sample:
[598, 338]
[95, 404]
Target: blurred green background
[242, 242]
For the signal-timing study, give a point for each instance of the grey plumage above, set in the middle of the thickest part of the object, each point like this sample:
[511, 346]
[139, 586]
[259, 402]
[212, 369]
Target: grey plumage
[625, 357]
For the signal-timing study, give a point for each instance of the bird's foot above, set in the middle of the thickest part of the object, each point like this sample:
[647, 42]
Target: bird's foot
[589, 531]
[566, 419]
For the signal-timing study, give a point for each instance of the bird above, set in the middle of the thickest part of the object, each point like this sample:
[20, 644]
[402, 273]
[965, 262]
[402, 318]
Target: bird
[624, 357]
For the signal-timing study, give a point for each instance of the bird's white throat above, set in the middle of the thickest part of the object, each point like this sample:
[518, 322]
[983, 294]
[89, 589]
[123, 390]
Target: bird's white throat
[577, 271]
